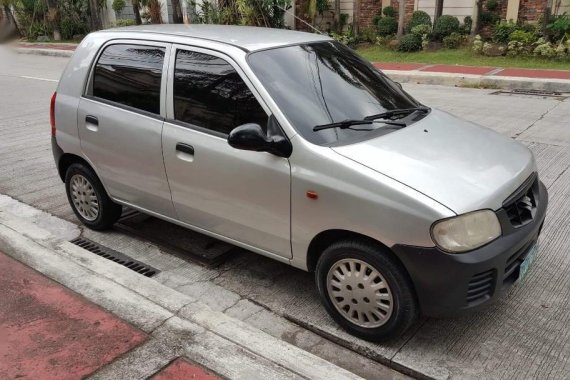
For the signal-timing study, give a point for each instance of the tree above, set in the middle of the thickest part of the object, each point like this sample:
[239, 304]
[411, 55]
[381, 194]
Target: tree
[54, 18]
[95, 19]
[337, 16]
[177, 12]
[438, 10]
[11, 21]
[401, 17]
[137, 11]
[477, 8]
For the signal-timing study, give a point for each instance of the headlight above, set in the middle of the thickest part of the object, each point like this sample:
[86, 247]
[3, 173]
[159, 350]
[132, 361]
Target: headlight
[466, 232]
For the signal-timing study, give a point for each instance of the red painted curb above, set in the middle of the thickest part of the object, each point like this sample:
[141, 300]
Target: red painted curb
[50, 332]
[399, 66]
[181, 369]
[457, 69]
[532, 73]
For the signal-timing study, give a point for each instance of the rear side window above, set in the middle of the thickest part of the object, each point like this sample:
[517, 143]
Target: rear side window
[209, 93]
[130, 75]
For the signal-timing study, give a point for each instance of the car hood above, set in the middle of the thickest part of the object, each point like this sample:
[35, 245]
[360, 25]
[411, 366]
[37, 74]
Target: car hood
[461, 165]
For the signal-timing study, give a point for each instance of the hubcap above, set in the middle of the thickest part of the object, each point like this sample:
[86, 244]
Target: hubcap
[360, 293]
[84, 197]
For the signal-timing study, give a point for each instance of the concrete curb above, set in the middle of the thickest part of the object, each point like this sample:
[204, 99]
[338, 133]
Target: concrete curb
[485, 81]
[46, 52]
[226, 345]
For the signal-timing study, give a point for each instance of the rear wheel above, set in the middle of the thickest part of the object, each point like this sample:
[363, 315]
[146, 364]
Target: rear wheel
[88, 198]
[366, 290]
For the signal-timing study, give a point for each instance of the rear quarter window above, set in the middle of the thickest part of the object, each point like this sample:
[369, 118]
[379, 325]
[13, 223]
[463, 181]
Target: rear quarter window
[130, 75]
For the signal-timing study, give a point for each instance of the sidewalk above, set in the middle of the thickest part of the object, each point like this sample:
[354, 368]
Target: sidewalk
[81, 315]
[49, 332]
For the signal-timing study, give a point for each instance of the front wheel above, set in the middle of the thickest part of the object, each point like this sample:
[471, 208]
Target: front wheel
[366, 290]
[88, 198]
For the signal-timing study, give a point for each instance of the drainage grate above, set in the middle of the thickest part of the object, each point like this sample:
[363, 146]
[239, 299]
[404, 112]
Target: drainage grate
[118, 257]
[530, 92]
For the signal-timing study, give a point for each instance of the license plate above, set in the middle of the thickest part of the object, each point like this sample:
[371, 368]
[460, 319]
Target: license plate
[526, 264]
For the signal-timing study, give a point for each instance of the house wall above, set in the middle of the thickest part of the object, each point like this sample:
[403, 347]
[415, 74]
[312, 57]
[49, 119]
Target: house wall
[457, 8]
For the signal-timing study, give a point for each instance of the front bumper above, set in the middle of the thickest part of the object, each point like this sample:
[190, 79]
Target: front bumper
[449, 283]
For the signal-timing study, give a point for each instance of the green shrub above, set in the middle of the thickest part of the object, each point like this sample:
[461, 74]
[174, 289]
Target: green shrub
[389, 11]
[376, 18]
[453, 41]
[492, 5]
[123, 22]
[410, 42]
[544, 49]
[421, 30]
[560, 27]
[489, 18]
[503, 30]
[419, 18]
[467, 24]
[523, 37]
[119, 5]
[477, 44]
[387, 26]
[367, 34]
[444, 26]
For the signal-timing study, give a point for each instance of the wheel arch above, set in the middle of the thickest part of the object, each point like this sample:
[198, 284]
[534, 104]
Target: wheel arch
[325, 238]
[68, 159]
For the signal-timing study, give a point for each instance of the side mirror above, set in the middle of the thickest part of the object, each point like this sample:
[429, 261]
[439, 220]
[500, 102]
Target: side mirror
[251, 137]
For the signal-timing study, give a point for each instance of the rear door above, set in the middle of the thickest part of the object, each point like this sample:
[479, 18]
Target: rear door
[120, 121]
[237, 194]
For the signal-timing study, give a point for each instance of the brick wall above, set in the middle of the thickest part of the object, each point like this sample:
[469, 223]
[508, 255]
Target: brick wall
[368, 9]
[531, 10]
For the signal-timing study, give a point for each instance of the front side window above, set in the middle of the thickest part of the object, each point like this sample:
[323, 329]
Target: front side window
[209, 93]
[326, 82]
[130, 75]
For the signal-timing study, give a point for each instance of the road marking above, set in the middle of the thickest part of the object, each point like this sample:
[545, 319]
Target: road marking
[28, 77]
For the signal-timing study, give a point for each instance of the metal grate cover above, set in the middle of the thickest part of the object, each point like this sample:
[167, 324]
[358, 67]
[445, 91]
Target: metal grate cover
[118, 257]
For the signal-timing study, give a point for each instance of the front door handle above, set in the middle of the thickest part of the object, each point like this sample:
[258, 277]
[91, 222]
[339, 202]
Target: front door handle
[185, 148]
[185, 152]
[92, 123]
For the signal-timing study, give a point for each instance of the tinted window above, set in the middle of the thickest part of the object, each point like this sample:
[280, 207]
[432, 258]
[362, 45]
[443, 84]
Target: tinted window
[326, 82]
[130, 75]
[209, 93]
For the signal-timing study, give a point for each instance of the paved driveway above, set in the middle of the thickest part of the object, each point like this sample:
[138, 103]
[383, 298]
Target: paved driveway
[526, 334]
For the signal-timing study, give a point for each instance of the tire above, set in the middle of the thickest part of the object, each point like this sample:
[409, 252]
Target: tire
[368, 271]
[90, 192]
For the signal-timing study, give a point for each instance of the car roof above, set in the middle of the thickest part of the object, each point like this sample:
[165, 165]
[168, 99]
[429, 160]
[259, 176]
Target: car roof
[247, 38]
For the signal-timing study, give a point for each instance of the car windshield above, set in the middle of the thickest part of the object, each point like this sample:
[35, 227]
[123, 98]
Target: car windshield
[320, 83]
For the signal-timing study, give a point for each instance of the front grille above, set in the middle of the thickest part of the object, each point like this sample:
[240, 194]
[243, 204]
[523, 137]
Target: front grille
[521, 205]
[480, 287]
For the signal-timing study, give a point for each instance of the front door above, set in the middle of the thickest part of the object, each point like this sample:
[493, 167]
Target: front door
[120, 121]
[237, 194]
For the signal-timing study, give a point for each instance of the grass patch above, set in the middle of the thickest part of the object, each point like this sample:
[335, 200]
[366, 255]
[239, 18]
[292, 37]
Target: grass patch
[458, 57]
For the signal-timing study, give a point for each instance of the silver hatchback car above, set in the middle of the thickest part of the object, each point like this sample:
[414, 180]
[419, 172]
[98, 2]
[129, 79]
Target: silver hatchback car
[290, 145]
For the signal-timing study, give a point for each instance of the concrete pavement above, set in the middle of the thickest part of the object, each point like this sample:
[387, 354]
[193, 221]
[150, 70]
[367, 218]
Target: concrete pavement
[524, 335]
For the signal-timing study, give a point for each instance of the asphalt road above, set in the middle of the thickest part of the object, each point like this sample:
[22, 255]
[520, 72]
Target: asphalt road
[526, 334]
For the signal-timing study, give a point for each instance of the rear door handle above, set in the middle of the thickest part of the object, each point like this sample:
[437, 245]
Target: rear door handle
[185, 152]
[92, 123]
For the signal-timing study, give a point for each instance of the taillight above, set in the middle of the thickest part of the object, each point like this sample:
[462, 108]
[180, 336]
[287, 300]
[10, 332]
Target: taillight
[52, 113]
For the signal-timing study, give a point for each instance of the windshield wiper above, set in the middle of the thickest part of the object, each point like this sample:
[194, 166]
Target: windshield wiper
[395, 112]
[349, 123]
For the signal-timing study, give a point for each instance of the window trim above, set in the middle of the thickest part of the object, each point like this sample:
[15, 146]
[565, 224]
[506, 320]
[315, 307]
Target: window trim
[170, 118]
[88, 89]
